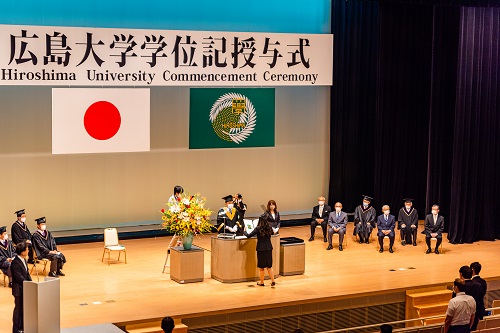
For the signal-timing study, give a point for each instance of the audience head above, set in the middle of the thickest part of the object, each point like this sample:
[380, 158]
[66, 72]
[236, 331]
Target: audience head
[386, 209]
[167, 324]
[459, 285]
[465, 272]
[476, 268]
[385, 328]
[435, 209]
[338, 206]
[22, 249]
[271, 206]
[321, 201]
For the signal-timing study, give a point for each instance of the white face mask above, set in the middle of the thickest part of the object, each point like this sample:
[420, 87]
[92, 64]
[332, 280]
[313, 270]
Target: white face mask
[408, 207]
[434, 212]
[387, 212]
[230, 206]
[338, 209]
[43, 227]
[6, 237]
[321, 203]
[23, 219]
[365, 204]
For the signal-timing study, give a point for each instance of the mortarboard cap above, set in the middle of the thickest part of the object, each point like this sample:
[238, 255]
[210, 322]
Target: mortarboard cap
[367, 198]
[228, 198]
[2, 230]
[240, 196]
[40, 220]
[19, 212]
[407, 199]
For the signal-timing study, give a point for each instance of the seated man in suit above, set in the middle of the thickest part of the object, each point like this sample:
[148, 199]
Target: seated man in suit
[385, 225]
[434, 226]
[46, 248]
[337, 221]
[7, 253]
[20, 273]
[320, 215]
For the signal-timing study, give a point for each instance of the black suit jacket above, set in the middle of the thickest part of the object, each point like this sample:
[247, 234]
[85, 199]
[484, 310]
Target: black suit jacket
[482, 282]
[263, 242]
[324, 215]
[20, 274]
[430, 227]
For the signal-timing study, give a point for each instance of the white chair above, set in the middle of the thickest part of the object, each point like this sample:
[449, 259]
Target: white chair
[440, 246]
[111, 244]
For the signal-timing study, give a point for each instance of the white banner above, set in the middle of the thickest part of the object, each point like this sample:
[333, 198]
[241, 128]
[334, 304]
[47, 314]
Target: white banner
[66, 56]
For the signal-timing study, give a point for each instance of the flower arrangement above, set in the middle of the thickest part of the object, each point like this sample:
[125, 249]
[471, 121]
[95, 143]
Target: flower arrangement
[187, 215]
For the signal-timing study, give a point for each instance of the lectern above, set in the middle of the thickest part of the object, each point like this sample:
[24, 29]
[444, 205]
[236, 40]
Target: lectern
[42, 306]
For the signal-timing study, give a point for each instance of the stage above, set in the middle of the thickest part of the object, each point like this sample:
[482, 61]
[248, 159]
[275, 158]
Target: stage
[93, 292]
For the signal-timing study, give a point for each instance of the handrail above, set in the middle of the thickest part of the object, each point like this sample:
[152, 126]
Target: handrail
[423, 319]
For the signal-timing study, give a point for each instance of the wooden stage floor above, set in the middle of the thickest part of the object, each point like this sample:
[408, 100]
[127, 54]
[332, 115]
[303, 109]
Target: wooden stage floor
[93, 292]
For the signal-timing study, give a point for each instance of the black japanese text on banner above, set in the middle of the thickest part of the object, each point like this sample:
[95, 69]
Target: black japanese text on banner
[65, 56]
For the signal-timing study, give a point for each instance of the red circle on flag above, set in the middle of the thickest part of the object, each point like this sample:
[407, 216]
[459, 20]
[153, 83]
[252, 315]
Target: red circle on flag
[102, 120]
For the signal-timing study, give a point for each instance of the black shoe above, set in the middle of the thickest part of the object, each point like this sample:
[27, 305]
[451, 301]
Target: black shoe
[391, 250]
[52, 274]
[31, 261]
[311, 239]
[260, 284]
[60, 273]
[340, 248]
[10, 284]
[325, 240]
[273, 284]
[361, 241]
[414, 243]
[168, 251]
[329, 247]
[428, 251]
[436, 251]
[367, 241]
[381, 250]
[403, 243]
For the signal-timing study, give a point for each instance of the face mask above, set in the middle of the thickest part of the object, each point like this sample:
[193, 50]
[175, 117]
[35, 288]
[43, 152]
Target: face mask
[43, 227]
[387, 212]
[321, 203]
[230, 206]
[338, 209]
[408, 207]
[23, 219]
[434, 212]
[6, 237]
[365, 205]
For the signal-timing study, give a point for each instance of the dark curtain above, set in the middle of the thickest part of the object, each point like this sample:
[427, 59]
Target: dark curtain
[476, 140]
[415, 110]
[353, 96]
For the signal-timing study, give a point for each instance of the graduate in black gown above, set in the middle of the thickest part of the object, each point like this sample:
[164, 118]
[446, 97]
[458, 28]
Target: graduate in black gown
[364, 220]
[7, 253]
[46, 248]
[227, 217]
[408, 223]
[21, 233]
[240, 207]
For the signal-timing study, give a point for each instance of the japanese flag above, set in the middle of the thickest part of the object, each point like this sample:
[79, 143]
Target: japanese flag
[100, 120]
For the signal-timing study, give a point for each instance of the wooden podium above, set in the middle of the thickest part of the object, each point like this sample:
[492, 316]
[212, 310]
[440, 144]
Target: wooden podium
[186, 266]
[42, 308]
[235, 260]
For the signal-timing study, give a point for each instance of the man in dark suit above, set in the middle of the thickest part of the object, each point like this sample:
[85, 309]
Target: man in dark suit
[385, 225]
[476, 269]
[320, 215]
[434, 226]
[20, 273]
[474, 289]
[337, 221]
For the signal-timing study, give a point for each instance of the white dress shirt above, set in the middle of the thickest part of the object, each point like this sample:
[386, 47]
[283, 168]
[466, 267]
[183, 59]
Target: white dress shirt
[461, 308]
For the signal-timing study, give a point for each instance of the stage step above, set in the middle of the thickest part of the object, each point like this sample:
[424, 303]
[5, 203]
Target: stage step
[427, 303]
[430, 297]
[432, 309]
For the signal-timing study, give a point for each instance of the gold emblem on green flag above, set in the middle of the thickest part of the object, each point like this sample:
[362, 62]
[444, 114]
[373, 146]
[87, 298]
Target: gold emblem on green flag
[233, 117]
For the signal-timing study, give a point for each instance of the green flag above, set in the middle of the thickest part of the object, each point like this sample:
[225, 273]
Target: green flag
[231, 118]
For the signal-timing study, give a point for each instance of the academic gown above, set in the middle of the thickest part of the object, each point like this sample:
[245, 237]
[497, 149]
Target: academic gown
[20, 232]
[44, 244]
[364, 216]
[229, 218]
[408, 218]
[241, 208]
[6, 251]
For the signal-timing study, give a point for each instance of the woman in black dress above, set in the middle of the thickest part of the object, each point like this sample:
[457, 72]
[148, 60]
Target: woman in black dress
[273, 216]
[264, 248]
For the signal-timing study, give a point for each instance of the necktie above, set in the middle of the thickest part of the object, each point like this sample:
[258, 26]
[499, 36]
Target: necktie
[320, 211]
[338, 215]
[386, 217]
